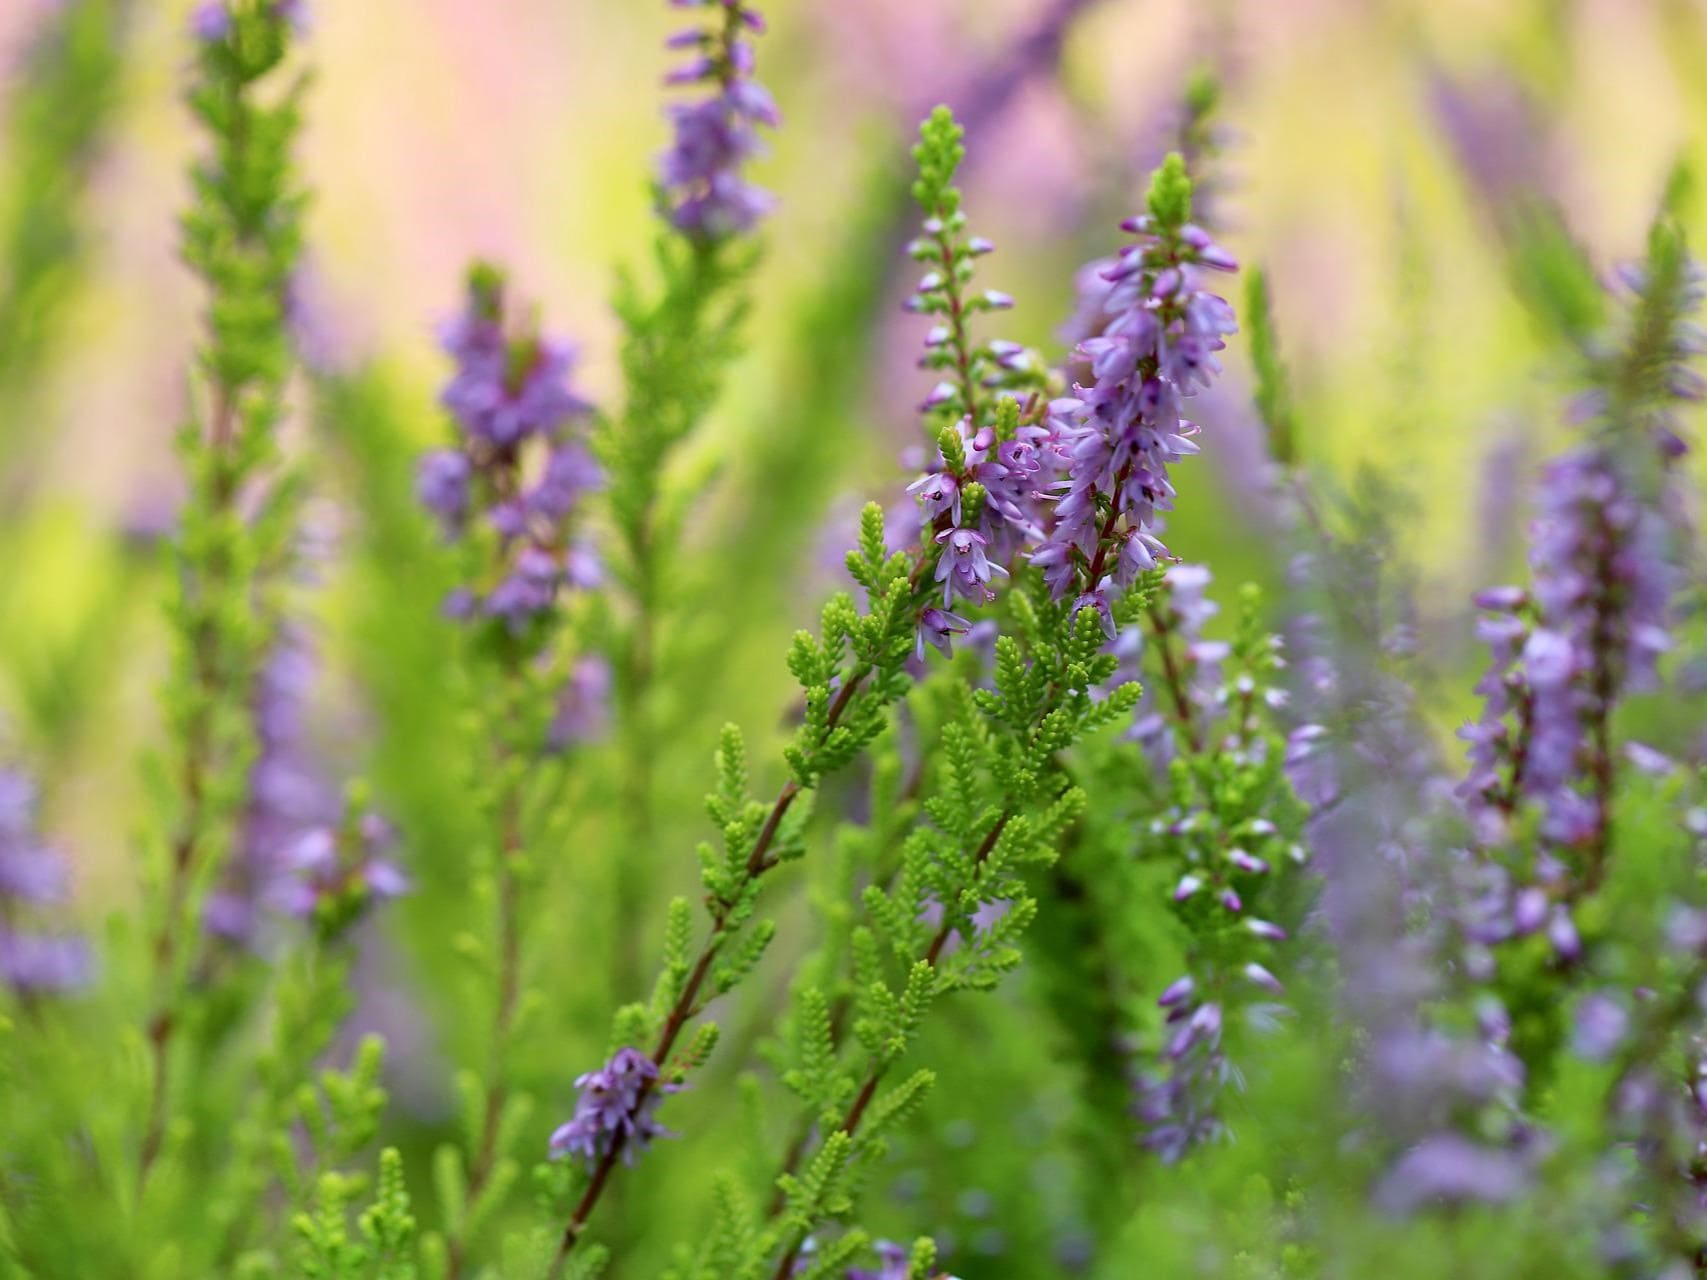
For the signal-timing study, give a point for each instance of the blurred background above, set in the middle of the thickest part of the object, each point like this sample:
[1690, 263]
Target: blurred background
[1367, 153]
[1371, 155]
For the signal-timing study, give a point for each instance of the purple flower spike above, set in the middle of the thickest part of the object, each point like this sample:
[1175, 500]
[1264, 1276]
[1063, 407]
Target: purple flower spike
[518, 466]
[619, 1100]
[702, 172]
[1151, 347]
[32, 875]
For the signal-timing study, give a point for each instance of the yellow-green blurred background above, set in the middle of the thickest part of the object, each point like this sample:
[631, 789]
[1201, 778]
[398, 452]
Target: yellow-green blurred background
[524, 130]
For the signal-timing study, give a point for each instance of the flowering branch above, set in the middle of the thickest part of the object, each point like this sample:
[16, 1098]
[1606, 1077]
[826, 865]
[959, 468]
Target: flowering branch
[242, 237]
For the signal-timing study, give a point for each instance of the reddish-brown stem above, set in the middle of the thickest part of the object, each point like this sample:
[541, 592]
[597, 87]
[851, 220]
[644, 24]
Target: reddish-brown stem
[198, 750]
[1179, 694]
[1506, 798]
[686, 1006]
[874, 1078]
[957, 326]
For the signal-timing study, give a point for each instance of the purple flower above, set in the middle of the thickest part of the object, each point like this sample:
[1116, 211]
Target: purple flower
[529, 591]
[504, 395]
[1600, 1027]
[442, 485]
[1120, 434]
[32, 875]
[892, 1264]
[583, 706]
[288, 793]
[1448, 1168]
[702, 171]
[1175, 1103]
[336, 874]
[293, 12]
[963, 569]
[937, 627]
[35, 964]
[511, 400]
[210, 22]
[621, 1098]
[569, 473]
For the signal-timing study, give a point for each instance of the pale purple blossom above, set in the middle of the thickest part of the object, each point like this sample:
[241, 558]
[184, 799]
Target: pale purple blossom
[1155, 348]
[34, 961]
[519, 465]
[620, 1099]
[336, 873]
[703, 171]
[583, 705]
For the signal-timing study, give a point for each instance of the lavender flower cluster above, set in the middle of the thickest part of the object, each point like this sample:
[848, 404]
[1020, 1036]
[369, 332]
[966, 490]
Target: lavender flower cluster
[510, 398]
[1231, 854]
[618, 1102]
[1121, 433]
[33, 876]
[705, 188]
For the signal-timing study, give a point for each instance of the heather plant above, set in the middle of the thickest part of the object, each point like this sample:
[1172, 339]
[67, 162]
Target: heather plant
[1088, 880]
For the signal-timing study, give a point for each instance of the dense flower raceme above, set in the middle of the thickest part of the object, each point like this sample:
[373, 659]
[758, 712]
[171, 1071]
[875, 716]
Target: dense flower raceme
[1438, 1102]
[981, 502]
[33, 876]
[517, 475]
[702, 172]
[620, 1097]
[1191, 689]
[1122, 432]
[1591, 627]
[1227, 832]
[334, 873]
[289, 793]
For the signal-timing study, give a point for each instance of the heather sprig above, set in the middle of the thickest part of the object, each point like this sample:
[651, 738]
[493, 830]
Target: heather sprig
[680, 333]
[706, 194]
[983, 497]
[510, 493]
[950, 918]
[850, 676]
[1121, 433]
[242, 236]
[1230, 833]
[1594, 622]
[382, 1246]
[943, 916]
[1272, 392]
[972, 371]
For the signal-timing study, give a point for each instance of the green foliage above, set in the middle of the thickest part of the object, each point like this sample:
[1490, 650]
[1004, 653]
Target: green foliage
[1554, 277]
[1169, 198]
[58, 107]
[1272, 395]
[971, 371]
[385, 1230]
